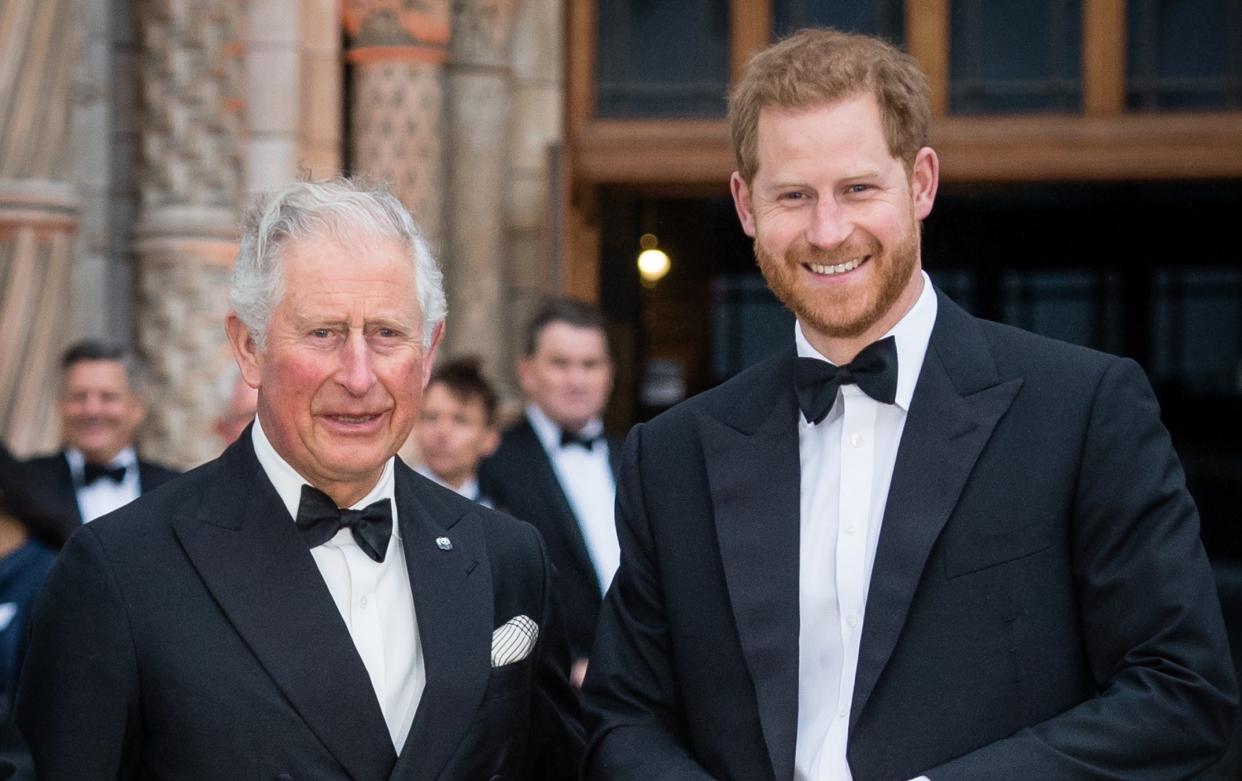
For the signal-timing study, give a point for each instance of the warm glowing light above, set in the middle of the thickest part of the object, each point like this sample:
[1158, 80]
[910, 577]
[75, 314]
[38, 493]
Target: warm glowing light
[653, 264]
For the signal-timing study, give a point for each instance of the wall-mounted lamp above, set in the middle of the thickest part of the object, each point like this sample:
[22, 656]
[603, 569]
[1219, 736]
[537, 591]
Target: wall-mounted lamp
[653, 263]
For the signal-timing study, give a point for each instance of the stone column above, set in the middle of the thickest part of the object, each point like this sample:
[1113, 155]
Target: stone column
[478, 110]
[533, 187]
[397, 50]
[294, 110]
[185, 237]
[38, 214]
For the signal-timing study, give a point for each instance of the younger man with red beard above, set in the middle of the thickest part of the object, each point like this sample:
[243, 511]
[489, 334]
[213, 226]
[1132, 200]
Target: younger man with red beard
[915, 544]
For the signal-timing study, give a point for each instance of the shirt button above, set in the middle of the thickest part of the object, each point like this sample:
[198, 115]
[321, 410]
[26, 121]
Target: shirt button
[852, 621]
[850, 528]
[842, 711]
[856, 440]
[363, 601]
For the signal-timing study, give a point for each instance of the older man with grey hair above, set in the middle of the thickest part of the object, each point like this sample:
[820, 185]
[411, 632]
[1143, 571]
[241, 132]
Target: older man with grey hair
[306, 606]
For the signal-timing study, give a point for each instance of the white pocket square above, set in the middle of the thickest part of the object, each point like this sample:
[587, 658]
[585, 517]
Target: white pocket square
[514, 640]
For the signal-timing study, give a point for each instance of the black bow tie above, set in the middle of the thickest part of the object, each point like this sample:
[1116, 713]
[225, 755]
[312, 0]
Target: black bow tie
[568, 439]
[93, 472]
[319, 519]
[874, 370]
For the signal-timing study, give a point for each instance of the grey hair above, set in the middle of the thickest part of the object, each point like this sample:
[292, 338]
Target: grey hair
[343, 209]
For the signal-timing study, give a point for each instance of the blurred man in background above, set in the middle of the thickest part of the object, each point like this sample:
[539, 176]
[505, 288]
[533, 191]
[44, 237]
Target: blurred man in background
[238, 402]
[101, 406]
[456, 427]
[556, 469]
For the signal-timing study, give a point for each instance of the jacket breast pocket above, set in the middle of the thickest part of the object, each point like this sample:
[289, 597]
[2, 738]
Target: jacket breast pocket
[974, 550]
[510, 679]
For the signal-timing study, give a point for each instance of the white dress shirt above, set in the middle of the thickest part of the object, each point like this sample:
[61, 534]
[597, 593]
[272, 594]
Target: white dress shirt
[847, 464]
[586, 478]
[104, 495]
[468, 489]
[373, 597]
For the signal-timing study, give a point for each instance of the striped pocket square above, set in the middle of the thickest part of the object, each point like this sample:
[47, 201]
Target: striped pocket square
[514, 640]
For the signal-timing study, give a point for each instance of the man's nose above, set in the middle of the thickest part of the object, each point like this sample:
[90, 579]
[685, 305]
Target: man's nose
[830, 225]
[92, 405]
[357, 372]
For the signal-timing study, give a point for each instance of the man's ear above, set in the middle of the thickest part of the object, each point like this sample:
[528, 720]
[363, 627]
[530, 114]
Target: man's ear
[924, 181]
[245, 351]
[138, 408]
[525, 374]
[741, 202]
[490, 442]
[429, 357]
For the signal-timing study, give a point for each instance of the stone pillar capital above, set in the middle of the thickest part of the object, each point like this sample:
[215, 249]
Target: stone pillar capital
[397, 30]
[482, 31]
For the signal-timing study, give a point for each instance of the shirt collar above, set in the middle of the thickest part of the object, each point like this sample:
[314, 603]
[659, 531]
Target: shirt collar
[288, 483]
[77, 460]
[469, 488]
[911, 334]
[550, 434]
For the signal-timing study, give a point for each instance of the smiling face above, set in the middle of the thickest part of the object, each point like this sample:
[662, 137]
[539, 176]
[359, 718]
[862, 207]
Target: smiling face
[835, 219]
[344, 367]
[99, 412]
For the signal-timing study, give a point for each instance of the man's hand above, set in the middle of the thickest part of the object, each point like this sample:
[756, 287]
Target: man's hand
[577, 672]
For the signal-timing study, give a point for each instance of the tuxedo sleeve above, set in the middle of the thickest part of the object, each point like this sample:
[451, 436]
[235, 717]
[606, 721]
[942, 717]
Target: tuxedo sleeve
[556, 721]
[1151, 621]
[630, 695]
[78, 703]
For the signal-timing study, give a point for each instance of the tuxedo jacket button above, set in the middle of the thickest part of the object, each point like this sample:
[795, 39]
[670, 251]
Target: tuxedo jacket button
[283, 777]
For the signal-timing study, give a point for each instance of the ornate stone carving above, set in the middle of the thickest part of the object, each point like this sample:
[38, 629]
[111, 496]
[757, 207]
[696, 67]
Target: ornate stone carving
[192, 87]
[404, 24]
[190, 184]
[397, 115]
[481, 31]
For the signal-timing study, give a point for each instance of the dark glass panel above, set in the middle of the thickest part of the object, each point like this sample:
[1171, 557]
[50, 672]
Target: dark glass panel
[1184, 54]
[660, 58]
[1011, 56]
[884, 18]
[1198, 329]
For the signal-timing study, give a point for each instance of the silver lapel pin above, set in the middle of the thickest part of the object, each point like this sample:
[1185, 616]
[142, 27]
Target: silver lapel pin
[444, 543]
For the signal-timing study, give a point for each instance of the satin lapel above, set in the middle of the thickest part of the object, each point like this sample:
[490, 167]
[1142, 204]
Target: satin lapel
[753, 470]
[453, 603]
[956, 405]
[551, 488]
[244, 545]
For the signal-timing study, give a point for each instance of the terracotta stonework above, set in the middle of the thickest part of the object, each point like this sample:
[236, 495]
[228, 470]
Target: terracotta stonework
[397, 117]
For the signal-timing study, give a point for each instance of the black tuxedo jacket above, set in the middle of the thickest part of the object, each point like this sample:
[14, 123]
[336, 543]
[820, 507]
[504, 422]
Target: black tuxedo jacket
[189, 635]
[520, 480]
[1040, 605]
[52, 490]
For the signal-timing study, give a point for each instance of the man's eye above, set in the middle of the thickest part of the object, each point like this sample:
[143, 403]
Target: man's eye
[321, 333]
[793, 196]
[858, 188]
